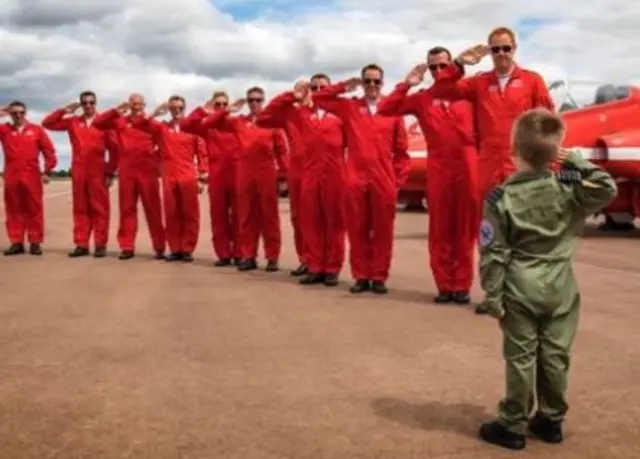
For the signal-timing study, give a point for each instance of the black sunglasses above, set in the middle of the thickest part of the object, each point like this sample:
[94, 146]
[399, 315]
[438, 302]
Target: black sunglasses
[315, 87]
[436, 67]
[221, 104]
[503, 48]
[255, 100]
[88, 102]
[372, 81]
[18, 112]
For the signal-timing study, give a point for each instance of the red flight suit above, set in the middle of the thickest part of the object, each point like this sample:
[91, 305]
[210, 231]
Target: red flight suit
[23, 179]
[452, 177]
[256, 182]
[377, 164]
[179, 151]
[223, 149]
[139, 167]
[495, 111]
[89, 170]
[324, 177]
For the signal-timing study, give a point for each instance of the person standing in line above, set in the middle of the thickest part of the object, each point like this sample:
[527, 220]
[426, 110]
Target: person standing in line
[91, 174]
[323, 184]
[377, 165]
[256, 178]
[23, 142]
[184, 174]
[448, 127]
[139, 169]
[223, 150]
[526, 248]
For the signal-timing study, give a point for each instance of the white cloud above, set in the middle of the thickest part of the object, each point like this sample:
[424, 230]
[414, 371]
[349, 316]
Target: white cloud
[53, 49]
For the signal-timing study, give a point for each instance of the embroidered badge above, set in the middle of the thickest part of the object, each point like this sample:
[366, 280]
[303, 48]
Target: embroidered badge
[487, 233]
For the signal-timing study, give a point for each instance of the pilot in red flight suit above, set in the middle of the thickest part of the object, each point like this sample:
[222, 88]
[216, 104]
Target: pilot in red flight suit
[323, 178]
[377, 164]
[223, 149]
[498, 98]
[139, 167]
[182, 180]
[91, 174]
[452, 182]
[22, 143]
[256, 179]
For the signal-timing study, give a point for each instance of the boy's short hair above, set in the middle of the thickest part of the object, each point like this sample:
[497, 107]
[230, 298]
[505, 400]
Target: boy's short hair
[537, 135]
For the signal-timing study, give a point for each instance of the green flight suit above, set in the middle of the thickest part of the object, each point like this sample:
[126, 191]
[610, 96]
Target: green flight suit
[526, 245]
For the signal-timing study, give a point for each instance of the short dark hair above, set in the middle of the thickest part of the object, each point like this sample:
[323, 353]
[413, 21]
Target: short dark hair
[438, 50]
[321, 76]
[372, 67]
[537, 136]
[255, 89]
[177, 97]
[17, 103]
[84, 94]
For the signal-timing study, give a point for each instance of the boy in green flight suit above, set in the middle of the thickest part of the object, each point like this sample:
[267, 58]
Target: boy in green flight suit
[526, 246]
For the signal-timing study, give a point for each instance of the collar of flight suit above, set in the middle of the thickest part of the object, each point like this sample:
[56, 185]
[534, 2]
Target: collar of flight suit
[528, 176]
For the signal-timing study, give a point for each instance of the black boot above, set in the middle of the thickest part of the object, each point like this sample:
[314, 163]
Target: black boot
[331, 280]
[247, 265]
[443, 298]
[222, 262]
[14, 249]
[379, 287]
[100, 252]
[482, 309]
[79, 252]
[187, 257]
[361, 285]
[174, 256]
[461, 298]
[126, 255]
[311, 278]
[35, 249]
[159, 255]
[497, 434]
[272, 266]
[300, 271]
[545, 429]
[236, 261]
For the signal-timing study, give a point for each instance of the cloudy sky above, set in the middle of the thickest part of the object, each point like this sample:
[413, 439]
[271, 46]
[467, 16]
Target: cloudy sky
[52, 49]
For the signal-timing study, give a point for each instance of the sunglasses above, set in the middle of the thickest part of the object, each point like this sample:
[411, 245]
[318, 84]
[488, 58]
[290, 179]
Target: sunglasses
[178, 107]
[315, 87]
[504, 48]
[88, 102]
[436, 67]
[220, 104]
[372, 81]
[255, 100]
[18, 112]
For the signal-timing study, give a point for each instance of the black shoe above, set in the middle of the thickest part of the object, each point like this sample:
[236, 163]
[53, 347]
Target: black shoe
[272, 266]
[360, 286]
[247, 265]
[443, 298]
[235, 261]
[481, 309]
[14, 249]
[159, 255]
[497, 434]
[300, 271]
[379, 288]
[100, 252]
[311, 279]
[187, 257]
[331, 280]
[126, 255]
[35, 249]
[222, 262]
[461, 298]
[176, 256]
[545, 429]
[79, 252]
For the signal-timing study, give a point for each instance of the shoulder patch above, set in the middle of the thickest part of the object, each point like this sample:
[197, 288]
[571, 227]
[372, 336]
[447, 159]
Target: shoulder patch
[495, 195]
[487, 233]
[569, 175]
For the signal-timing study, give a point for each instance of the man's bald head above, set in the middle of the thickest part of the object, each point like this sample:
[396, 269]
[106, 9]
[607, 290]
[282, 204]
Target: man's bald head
[136, 102]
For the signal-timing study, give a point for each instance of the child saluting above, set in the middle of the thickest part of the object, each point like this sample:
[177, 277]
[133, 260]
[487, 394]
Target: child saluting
[526, 245]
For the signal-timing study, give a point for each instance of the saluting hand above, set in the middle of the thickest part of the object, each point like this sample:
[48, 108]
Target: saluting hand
[4, 111]
[237, 105]
[123, 107]
[162, 109]
[416, 75]
[473, 55]
[72, 107]
[353, 83]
